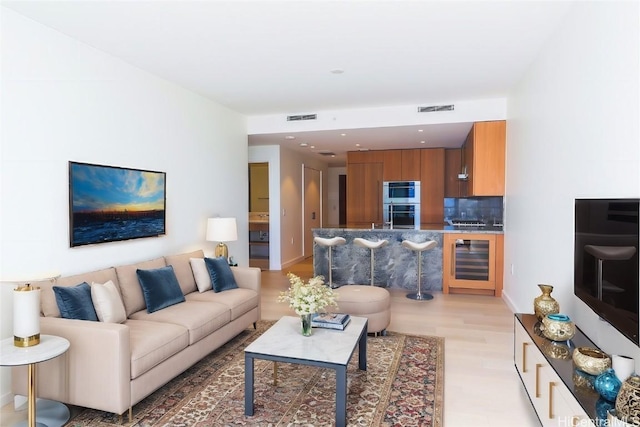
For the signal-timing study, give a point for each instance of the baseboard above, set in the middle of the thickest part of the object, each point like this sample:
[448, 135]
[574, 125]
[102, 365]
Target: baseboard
[292, 262]
[507, 299]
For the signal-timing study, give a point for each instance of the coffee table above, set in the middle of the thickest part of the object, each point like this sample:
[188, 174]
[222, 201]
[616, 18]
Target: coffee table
[327, 348]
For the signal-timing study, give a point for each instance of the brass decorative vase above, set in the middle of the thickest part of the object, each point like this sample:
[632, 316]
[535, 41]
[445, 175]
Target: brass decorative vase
[591, 360]
[545, 303]
[628, 401]
[558, 327]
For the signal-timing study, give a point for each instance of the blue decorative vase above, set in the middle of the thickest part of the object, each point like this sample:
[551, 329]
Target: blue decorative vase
[602, 407]
[608, 385]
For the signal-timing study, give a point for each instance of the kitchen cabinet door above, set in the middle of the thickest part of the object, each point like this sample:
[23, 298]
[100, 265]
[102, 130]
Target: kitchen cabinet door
[452, 167]
[364, 193]
[392, 160]
[484, 153]
[411, 160]
[431, 185]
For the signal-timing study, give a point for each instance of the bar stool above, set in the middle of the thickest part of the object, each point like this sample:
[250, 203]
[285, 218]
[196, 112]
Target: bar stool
[419, 247]
[609, 253]
[330, 243]
[371, 245]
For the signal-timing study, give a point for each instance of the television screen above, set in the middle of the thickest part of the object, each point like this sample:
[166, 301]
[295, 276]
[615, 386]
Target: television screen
[108, 203]
[606, 260]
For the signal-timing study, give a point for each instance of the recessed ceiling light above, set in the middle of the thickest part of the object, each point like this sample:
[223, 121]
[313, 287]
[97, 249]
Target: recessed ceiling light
[420, 130]
[337, 71]
[313, 146]
[303, 144]
[333, 155]
[289, 137]
[421, 142]
[343, 134]
[357, 145]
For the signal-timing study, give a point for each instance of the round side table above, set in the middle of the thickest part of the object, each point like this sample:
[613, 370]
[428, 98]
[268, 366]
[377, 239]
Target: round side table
[50, 347]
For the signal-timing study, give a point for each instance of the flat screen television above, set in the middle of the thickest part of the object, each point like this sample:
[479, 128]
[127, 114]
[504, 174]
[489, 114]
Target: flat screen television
[606, 261]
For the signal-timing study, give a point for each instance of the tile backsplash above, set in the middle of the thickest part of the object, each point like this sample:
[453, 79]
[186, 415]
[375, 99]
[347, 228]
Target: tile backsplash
[488, 209]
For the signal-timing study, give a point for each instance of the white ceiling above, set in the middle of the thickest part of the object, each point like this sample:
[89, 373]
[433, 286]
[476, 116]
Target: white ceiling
[275, 57]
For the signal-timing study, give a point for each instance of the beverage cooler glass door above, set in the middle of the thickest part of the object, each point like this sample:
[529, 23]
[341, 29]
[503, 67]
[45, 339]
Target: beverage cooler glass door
[471, 260]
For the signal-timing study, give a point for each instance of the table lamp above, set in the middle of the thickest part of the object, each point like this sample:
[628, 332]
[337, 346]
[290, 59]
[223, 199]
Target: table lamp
[26, 311]
[222, 230]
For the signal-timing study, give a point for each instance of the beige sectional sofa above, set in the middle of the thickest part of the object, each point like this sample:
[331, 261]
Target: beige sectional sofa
[113, 366]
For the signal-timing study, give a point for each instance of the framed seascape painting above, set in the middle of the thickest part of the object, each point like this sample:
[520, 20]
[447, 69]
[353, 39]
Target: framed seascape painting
[108, 203]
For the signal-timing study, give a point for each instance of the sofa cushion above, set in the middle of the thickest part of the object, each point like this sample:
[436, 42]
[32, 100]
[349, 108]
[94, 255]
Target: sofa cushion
[201, 274]
[160, 288]
[221, 275]
[199, 318]
[48, 302]
[153, 342]
[239, 301]
[183, 271]
[130, 286]
[74, 302]
[107, 302]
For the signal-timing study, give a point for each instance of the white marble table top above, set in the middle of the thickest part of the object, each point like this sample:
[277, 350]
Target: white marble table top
[285, 339]
[50, 346]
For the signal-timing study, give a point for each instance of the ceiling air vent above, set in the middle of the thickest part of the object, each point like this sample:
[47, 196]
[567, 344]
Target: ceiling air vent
[326, 153]
[301, 117]
[434, 108]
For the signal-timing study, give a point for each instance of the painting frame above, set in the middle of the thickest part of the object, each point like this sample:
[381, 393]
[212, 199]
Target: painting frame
[113, 203]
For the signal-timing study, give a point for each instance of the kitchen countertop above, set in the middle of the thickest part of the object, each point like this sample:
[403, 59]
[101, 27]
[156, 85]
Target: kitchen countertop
[442, 228]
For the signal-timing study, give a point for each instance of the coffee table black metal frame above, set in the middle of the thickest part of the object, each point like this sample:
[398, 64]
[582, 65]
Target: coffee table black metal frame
[341, 371]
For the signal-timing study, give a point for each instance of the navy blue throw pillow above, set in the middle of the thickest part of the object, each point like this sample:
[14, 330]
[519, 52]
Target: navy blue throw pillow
[221, 275]
[74, 302]
[160, 288]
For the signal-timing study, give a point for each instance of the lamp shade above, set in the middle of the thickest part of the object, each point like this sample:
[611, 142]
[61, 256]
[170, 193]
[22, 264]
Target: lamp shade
[222, 230]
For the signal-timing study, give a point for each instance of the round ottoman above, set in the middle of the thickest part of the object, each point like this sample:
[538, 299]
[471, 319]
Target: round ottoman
[368, 301]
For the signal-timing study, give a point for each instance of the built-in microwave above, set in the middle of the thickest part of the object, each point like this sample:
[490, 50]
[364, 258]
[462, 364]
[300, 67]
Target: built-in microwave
[401, 192]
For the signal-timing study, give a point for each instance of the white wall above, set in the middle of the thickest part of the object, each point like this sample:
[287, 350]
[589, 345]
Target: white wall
[573, 131]
[61, 101]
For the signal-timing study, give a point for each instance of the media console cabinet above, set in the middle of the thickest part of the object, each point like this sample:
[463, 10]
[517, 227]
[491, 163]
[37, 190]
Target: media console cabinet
[559, 395]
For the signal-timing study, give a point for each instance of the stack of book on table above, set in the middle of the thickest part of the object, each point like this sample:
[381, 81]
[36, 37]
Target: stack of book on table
[330, 320]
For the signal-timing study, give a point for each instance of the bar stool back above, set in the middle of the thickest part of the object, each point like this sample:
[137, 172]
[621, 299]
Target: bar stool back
[419, 247]
[330, 243]
[371, 245]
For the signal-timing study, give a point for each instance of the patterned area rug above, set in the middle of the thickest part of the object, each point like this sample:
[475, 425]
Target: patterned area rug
[403, 386]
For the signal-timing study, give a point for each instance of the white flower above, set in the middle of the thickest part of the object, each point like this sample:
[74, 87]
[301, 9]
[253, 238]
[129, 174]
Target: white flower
[308, 298]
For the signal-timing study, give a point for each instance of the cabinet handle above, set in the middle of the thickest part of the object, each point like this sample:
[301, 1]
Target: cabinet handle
[524, 357]
[551, 385]
[453, 260]
[538, 366]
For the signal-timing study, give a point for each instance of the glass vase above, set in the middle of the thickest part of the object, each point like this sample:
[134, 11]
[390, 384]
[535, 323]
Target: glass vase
[305, 320]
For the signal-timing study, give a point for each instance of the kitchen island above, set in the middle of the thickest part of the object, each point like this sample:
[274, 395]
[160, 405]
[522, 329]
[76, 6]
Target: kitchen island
[395, 266]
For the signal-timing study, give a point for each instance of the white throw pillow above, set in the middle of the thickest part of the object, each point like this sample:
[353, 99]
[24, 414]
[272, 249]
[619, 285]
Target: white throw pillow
[201, 274]
[107, 302]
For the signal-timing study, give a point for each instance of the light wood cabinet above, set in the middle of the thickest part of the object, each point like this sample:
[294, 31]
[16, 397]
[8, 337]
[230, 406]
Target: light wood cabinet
[401, 165]
[364, 194]
[554, 402]
[452, 167]
[431, 179]
[484, 158]
[472, 263]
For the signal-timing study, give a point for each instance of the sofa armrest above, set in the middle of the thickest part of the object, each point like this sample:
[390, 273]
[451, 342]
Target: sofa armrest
[247, 277]
[96, 370]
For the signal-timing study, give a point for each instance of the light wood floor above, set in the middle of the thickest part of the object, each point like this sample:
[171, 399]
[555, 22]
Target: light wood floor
[482, 388]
